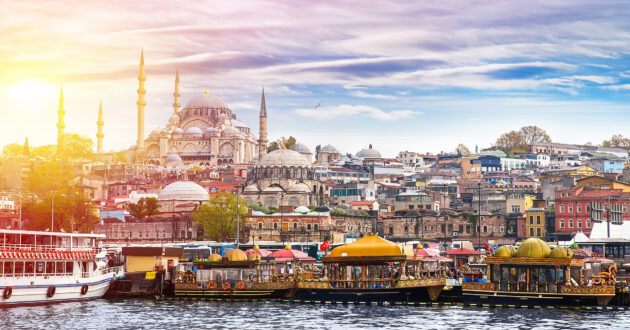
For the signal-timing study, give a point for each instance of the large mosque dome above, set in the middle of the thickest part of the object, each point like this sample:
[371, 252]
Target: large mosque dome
[206, 100]
[369, 153]
[284, 157]
[183, 191]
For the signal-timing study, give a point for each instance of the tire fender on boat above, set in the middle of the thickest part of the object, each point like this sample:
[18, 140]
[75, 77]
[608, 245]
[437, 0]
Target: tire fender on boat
[240, 285]
[51, 291]
[212, 285]
[6, 294]
[226, 286]
[84, 289]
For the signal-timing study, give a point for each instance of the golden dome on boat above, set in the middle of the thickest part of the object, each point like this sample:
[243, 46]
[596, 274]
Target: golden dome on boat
[534, 248]
[254, 257]
[369, 245]
[215, 257]
[505, 251]
[561, 253]
[287, 247]
[256, 247]
[235, 255]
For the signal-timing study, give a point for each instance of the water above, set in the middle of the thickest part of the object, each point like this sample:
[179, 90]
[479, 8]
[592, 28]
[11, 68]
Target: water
[138, 313]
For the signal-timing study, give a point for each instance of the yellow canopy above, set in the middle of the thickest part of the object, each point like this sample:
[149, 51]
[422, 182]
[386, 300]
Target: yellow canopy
[370, 245]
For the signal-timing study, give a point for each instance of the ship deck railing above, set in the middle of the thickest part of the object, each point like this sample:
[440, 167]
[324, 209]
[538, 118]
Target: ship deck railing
[42, 247]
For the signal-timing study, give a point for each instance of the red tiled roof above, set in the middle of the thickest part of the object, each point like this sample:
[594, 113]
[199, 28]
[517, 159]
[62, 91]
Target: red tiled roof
[357, 203]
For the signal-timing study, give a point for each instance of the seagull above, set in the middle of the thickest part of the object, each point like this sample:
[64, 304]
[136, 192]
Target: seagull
[318, 105]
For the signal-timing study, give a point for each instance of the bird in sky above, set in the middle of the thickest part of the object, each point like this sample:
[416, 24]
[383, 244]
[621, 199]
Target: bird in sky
[318, 104]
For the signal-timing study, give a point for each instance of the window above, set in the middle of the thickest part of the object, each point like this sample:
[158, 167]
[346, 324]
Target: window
[579, 208]
[295, 225]
[260, 225]
[561, 223]
[316, 227]
[579, 223]
[588, 208]
[531, 231]
[485, 229]
[625, 208]
[570, 223]
[562, 194]
[468, 228]
[516, 208]
[570, 208]
[308, 227]
[537, 219]
[502, 229]
[275, 225]
[538, 232]
[391, 230]
[588, 223]
[443, 228]
[561, 208]
[531, 219]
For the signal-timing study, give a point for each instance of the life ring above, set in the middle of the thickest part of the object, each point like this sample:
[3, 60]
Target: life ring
[8, 291]
[84, 289]
[226, 286]
[51, 291]
[240, 285]
[212, 285]
[597, 280]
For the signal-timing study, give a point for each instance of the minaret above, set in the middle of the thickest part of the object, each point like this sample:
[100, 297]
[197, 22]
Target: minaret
[60, 123]
[141, 103]
[26, 151]
[176, 94]
[262, 134]
[99, 133]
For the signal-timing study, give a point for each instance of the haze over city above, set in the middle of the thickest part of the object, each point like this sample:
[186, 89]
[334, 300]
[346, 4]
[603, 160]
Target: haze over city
[421, 77]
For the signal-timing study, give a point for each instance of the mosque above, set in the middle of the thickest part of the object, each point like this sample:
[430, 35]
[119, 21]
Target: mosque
[204, 133]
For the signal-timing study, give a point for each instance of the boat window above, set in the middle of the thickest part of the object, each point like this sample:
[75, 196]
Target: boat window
[29, 268]
[12, 239]
[60, 268]
[513, 278]
[8, 267]
[552, 280]
[69, 267]
[39, 267]
[1, 268]
[28, 239]
[50, 267]
[496, 274]
[19, 268]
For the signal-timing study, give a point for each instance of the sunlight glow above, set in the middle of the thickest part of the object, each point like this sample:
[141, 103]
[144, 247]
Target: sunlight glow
[30, 95]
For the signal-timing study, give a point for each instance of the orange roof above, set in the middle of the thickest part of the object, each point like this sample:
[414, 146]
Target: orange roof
[362, 203]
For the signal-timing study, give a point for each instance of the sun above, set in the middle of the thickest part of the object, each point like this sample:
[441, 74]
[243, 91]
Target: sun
[30, 95]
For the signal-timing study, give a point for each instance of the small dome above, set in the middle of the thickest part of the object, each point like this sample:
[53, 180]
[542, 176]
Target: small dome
[534, 248]
[174, 119]
[210, 130]
[238, 123]
[329, 148]
[254, 257]
[561, 253]
[206, 100]
[302, 148]
[284, 157]
[231, 130]
[173, 159]
[369, 153]
[178, 131]
[224, 116]
[156, 132]
[505, 251]
[183, 191]
[369, 245]
[215, 257]
[235, 255]
[193, 130]
[302, 209]
[273, 189]
[252, 187]
[300, 187]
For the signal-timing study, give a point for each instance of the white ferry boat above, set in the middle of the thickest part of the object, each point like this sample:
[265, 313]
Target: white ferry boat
[38, 267]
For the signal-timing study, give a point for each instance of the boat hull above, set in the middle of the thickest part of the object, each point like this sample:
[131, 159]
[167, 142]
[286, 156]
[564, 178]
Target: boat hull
[589, 296]
[23, 295]
[274, 290]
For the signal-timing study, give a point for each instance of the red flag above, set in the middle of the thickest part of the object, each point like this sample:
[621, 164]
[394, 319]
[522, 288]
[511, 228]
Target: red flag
[487, 246]
[325, 246]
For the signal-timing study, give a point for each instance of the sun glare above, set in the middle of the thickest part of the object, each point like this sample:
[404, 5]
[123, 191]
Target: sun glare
[30, 95]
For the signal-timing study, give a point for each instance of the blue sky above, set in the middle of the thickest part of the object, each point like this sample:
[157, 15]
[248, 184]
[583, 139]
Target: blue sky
[399, 75]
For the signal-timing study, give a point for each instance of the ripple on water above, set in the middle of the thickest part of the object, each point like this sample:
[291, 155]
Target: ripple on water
[139, 313]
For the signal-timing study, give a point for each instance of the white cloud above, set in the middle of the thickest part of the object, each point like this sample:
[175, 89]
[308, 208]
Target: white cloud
[346, 110]
[372, 96]
[624, 87]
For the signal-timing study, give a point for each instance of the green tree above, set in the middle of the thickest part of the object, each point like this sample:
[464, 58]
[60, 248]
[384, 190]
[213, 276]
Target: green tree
[50, 176]
[121, 156]
[534, 134]
[617, 141]
[512, 142]
[218, 217]
[77, 146]
[47, 151]
[289, 143]
[12, 149]
[462, 150]
[72, 210]
[145, 207]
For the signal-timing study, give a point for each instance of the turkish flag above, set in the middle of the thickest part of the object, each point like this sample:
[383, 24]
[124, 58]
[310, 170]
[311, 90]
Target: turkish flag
[325, 246]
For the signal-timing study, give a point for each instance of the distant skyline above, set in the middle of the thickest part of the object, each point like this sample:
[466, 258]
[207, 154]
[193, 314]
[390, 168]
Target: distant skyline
[399, 75]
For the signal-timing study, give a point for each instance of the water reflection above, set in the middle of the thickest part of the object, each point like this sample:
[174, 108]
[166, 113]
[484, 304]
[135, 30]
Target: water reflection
[124, 314]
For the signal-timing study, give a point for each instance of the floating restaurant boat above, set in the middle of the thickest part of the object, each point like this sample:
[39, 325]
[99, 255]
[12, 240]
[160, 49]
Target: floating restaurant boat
[39, 267]
[534, 275]
[372, 269]
[236, 276]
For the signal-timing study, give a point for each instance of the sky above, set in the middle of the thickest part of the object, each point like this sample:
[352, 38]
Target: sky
[400, 75]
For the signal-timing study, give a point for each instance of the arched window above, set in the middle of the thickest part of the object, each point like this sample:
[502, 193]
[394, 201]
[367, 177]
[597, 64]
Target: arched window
[294, 201]
[271, 202]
